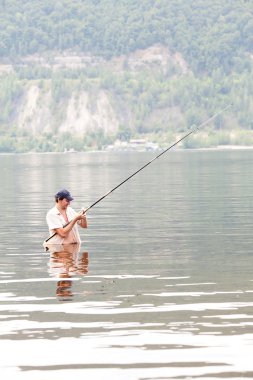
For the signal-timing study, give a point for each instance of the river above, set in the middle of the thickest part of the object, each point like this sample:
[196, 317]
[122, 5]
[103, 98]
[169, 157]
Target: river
[162, 284]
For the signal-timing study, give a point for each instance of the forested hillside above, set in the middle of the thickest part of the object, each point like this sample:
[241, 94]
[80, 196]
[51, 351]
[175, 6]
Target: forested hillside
[150, 67]
[209, 33]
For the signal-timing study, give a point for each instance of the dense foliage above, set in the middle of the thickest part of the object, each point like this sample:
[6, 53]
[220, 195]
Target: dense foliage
[214, 37]
[209, 33]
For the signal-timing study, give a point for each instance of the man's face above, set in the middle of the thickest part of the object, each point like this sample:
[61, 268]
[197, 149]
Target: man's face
[64, 203]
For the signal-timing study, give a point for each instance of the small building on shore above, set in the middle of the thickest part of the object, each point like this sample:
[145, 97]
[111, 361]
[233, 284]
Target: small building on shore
[139, 145]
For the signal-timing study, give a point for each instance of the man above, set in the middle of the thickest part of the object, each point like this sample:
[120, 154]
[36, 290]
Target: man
[62, 220]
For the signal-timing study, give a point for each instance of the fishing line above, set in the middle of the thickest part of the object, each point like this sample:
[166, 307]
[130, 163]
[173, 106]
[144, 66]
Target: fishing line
[200, 126]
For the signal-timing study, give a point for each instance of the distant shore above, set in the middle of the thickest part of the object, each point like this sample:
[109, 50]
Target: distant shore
[217, 148]
[227, 147]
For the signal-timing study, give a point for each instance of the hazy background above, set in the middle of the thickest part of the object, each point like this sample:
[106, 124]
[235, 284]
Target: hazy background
[81, 74]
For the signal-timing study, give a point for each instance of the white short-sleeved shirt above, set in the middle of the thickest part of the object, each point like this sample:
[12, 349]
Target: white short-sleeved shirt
[56, 220]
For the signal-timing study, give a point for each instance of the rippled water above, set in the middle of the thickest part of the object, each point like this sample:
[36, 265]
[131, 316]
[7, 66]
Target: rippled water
[162, 285]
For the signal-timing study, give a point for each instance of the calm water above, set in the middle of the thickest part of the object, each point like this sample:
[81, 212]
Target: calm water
[162, 286]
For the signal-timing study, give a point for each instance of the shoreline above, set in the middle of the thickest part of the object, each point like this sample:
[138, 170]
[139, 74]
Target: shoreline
[218, 148]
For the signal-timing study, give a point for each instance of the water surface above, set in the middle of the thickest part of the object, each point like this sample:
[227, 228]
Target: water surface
[162, 285]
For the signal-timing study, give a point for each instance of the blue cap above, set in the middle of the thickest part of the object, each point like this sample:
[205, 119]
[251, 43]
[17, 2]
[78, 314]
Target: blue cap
[64, 194]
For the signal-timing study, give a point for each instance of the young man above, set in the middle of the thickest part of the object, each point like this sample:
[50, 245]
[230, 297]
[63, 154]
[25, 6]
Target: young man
[62, 220]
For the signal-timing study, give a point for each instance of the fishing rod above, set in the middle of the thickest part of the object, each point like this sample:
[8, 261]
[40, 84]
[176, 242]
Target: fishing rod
[200, 126]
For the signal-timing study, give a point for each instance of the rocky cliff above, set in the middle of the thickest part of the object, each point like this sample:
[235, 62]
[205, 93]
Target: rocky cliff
[82, 110]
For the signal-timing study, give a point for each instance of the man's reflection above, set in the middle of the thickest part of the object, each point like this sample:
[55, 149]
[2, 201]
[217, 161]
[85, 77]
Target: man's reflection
[65, 261]
[63, 289]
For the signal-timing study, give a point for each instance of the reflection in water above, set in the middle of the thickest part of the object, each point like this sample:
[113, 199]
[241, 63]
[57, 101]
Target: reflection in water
[65, 261]
[64, 289]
